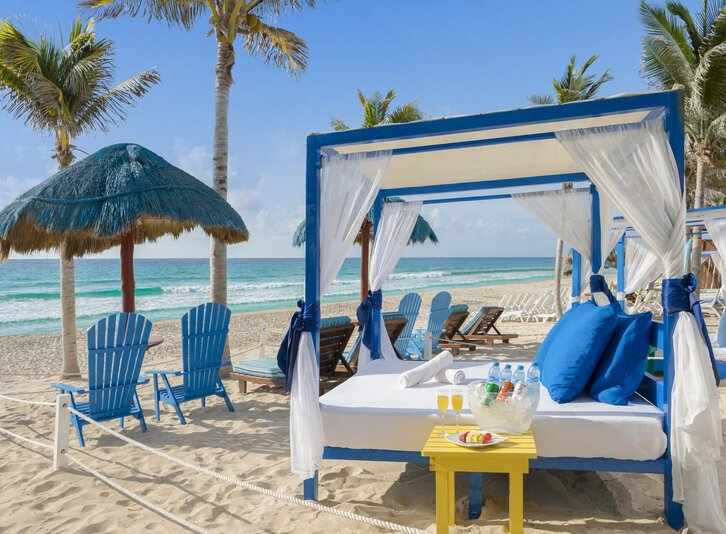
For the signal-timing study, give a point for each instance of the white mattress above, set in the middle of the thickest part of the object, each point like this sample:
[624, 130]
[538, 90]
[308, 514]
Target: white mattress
[371, 411]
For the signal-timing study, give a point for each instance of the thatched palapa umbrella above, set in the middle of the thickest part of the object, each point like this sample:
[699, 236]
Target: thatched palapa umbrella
[121, 195]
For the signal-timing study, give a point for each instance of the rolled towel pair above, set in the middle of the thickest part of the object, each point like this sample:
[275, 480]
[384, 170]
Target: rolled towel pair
[426, 371]
[451, 376]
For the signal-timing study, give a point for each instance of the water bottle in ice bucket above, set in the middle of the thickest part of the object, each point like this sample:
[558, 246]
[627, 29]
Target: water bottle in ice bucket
[494, 373]
[518, 376]
[533, 384]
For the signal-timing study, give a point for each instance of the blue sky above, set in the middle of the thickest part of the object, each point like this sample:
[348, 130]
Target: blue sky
[449, 57]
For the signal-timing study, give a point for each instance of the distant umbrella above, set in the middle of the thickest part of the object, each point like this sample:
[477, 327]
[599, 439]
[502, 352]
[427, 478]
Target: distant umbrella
[121, 195]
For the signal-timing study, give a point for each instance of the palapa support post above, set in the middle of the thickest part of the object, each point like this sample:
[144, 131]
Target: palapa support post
[365, 246]
[576, 278]
[128, 285]
[620, 263]
[62, 422]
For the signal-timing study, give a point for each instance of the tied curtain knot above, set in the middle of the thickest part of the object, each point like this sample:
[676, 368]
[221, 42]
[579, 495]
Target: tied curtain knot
[368, 313]
[599, 285]
[303, 320]
[679, 295]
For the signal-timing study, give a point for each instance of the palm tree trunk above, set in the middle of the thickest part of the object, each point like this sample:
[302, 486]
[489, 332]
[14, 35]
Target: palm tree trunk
[218, 256]
[558, 277]
[696, 242]
[70, 369]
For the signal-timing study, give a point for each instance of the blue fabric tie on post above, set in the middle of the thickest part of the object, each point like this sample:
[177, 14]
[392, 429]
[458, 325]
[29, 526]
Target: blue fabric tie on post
[367, 313]
[303, 320]
[599, 285]
[679, 295]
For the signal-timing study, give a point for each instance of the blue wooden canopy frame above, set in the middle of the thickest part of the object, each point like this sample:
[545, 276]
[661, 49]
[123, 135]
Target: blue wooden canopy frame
[656, 389]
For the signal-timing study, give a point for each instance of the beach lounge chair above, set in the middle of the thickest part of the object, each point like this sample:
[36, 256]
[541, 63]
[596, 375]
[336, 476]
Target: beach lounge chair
[409, 306]
[476, 331]
[440, 309]
[204, 332]
[395, 324]
[116, 347]
[335, 333]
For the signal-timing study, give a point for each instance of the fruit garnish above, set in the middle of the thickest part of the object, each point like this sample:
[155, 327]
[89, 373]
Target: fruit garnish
[463, 436]
[487, 437]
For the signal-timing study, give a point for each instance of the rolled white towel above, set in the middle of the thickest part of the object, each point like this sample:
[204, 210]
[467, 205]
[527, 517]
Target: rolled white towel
[426, 371]
[451, 376]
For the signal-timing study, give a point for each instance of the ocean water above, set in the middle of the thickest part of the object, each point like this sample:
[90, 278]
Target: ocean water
[165, 289]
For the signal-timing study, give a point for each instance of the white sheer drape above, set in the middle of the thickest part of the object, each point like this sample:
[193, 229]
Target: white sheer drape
[641, 265]
[634, 167]
[392, 235]
[348, 186]
[717, 230]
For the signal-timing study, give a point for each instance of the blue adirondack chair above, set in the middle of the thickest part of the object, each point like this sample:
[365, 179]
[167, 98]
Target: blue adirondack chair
[204, 334]
[440, 309]
[116, 348]
[409, 306]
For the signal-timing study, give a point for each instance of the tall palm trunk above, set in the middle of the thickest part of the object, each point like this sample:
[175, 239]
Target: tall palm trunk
[696, 241]
[64, 155]
[218, 256]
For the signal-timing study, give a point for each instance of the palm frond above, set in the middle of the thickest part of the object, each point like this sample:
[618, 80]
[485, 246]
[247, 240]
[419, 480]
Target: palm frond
[716, 33]
[541, 100]
[709, 82]
[182, 12]
[594, 86]
[405, 113]
[276, 45]
[338, 125]
[695, 35]
[662, 28]
[277, 7]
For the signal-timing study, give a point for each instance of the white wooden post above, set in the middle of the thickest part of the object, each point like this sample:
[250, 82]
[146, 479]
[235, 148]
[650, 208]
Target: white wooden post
[62, 422]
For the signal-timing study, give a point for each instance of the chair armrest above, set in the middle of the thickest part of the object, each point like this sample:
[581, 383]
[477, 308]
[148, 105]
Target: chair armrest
[171, 372]
[142, 380]
[67, 388]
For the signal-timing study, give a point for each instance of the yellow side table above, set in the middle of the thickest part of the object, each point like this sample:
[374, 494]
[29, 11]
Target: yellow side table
[446, 459]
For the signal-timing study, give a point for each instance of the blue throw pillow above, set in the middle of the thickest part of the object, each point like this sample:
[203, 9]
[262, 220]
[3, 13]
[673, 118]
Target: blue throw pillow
[622, 365]
[574, 352]
[547, 343]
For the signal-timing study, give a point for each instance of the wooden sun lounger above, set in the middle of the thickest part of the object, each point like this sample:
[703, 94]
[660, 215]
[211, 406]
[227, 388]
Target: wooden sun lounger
[457, 317]
[335, 333]
[395, 324]
[478, 332]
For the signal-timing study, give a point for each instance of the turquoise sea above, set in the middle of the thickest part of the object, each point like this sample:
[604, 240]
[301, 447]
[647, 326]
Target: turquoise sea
[165, 289]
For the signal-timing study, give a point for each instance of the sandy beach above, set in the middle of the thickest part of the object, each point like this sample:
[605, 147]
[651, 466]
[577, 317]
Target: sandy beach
[252, 444]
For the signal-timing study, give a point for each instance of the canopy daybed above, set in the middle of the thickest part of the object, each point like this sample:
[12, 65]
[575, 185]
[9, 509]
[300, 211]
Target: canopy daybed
[627, 152]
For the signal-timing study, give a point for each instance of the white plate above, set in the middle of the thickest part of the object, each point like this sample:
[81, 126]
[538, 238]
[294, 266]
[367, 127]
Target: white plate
[496, 439]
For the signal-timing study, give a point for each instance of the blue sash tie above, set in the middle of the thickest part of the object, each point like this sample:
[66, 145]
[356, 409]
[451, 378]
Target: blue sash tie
[679, 295]
[303, 320]
[598, 285]
[367, 314]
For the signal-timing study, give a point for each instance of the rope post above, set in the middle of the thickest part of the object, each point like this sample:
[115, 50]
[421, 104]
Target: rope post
[62, 423]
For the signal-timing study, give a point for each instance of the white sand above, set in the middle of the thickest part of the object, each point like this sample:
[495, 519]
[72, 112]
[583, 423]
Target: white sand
[252, 443]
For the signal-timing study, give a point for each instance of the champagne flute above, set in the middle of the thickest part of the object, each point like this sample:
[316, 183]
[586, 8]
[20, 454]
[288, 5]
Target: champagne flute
[442, 403]
[457, 402]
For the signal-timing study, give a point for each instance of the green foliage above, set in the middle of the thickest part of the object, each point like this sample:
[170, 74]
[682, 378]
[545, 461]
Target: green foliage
[228, 20]
[376, 111]
[575, 84]
[65, 88]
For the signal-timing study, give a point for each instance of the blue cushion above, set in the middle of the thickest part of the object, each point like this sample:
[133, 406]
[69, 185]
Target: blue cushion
[575, 349]
[547, 343]
[264, 368]
[622, 366]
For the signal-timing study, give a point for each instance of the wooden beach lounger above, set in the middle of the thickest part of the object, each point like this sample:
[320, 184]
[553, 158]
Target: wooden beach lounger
[395, 324]
[335, 333]
[457, 316]
[116, 347]
[476, 331]
[204, 334]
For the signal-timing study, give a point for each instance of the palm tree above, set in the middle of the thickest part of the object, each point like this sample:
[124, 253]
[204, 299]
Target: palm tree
[228, 20]
[65, 89]
[376, 111]
[682, 51]
[575, 84]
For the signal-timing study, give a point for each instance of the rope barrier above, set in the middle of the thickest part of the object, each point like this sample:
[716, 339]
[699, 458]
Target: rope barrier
[26, 440]
[138, 498]
[24, 401]
[313, 505]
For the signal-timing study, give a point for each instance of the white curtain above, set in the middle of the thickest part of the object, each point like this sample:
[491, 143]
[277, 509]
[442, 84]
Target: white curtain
[348, 186]
[568, 214]
[634, 167]
[641, 265]
[392, 235]
[717, 230]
